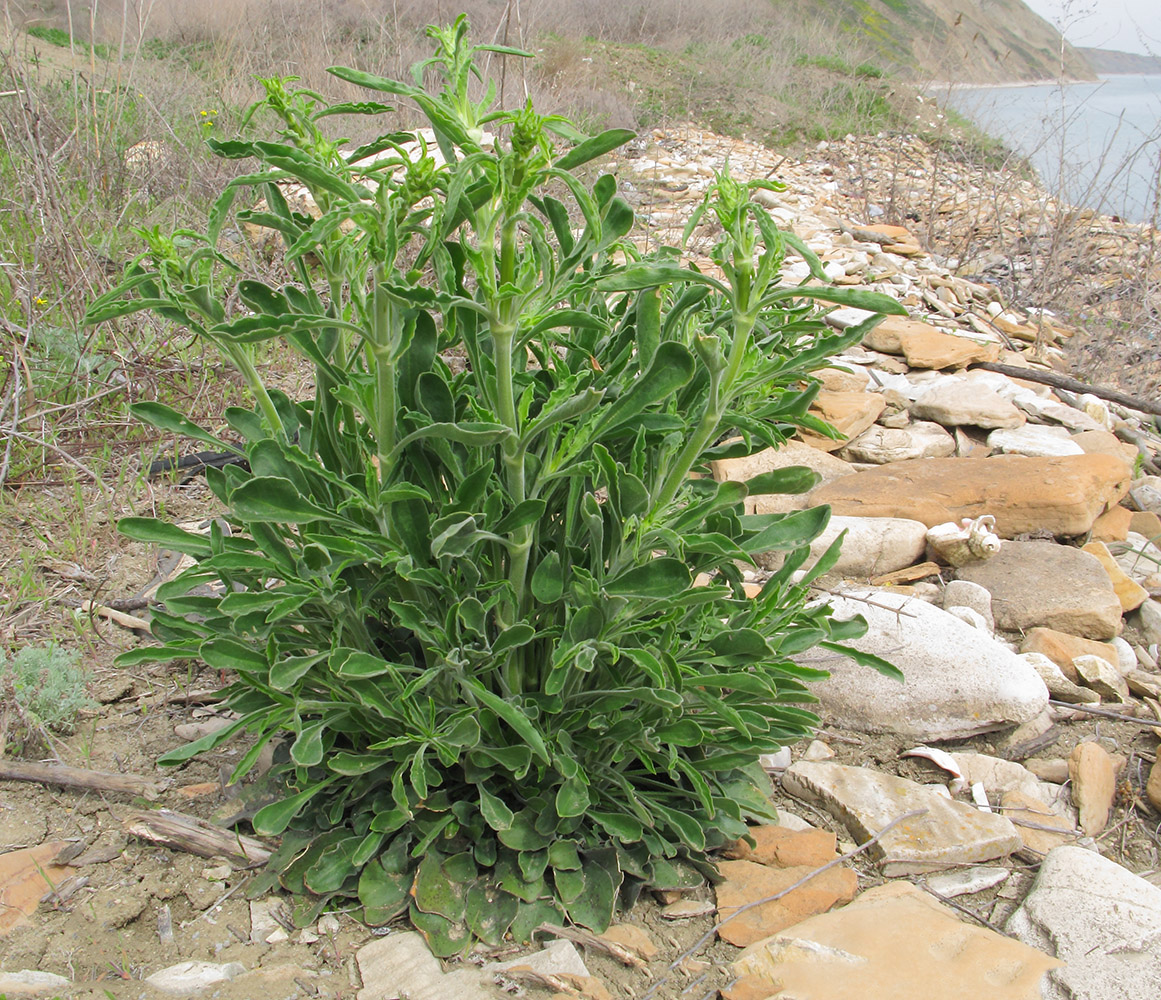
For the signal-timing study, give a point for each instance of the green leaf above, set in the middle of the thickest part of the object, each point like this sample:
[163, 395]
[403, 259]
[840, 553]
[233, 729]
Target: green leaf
[598, 145]
[856, 298]
[547, 583]
[510, 714]
[271, 820]
[444, 937]
[435, 892]
[307, 750]
[168, 536]
[789, 531]
[513, 638]
[866, 660]
[166, 418]
[593, 907]
[384, 895]
[496, 814]
[572, 798]
[489, 912]
[274, 499]
[658, 579]
[790, 479]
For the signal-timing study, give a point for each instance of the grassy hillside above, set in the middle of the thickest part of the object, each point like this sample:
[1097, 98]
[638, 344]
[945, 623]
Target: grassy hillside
[103, 121]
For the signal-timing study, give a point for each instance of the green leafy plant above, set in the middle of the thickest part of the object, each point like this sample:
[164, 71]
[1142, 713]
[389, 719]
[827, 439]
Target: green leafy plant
[47, 685]
[461, 578]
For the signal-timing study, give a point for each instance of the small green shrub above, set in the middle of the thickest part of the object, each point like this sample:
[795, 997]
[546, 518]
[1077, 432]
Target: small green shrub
[47, 684]
[461, 577]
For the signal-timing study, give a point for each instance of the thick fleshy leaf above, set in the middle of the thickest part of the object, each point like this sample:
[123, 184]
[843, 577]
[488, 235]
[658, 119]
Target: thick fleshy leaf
[658, 579]
[274, 499]
[166, 418]
[384, 895]
[489, 912]
[510, 714]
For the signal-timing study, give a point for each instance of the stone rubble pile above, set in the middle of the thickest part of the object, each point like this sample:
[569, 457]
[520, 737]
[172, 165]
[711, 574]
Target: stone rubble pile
[930, 449]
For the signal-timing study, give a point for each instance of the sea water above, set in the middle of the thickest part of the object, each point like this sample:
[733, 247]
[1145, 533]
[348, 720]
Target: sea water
[1096, 145]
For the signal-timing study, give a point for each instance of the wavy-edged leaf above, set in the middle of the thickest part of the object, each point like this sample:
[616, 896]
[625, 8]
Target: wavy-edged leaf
[166, 535]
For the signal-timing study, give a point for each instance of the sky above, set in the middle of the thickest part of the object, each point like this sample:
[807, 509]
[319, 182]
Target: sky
[1126, 25]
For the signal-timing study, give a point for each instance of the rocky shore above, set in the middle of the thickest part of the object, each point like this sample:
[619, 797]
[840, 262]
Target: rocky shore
[986, 827]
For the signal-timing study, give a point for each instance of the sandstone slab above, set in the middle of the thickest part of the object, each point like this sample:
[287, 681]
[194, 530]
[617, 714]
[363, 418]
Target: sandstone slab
[880, 445]
[961, 403]
[1113, 525]
[1045, 584]
[1094, 785]
[1059, 686]
[1101, 920]
[895, 942]
[926, 347]
[849, 413]
[1041, 827]
[827, 466]
[781, 847]
[1061, 495]
[747, 881]
[957, 680]
[1145, 523]
[190, 977]
[1130, 593]
[1102, 677]
[945, 834]
[403, 964]
[1062, 648]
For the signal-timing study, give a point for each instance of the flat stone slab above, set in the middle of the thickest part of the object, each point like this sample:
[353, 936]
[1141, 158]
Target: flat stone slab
[1044, 584]
[1101, 919]
[1061, 495]
[948, 833]
[895, 942]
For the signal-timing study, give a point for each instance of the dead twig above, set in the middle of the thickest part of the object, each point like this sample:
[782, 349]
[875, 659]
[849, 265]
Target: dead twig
[119, 617]
[182, 832]
[1104, 713]
[589, 940]
[79, 777]
[1058, 381]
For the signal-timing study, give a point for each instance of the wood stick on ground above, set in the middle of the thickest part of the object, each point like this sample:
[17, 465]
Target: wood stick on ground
[1058, 381]
[1106, 714]
[589, 940]
[119, 617]
[187, 833]
[79, 777]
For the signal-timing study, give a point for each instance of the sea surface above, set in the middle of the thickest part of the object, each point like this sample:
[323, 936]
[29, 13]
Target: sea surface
[1097, 145]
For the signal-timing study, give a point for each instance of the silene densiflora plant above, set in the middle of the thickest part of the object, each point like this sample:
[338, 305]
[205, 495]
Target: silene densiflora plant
[459, 580]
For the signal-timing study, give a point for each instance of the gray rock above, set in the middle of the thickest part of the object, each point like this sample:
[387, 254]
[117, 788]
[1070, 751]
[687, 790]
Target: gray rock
[961, 403]
[1146, 493]
[865, 801]
[879, 445]
[966, 882]
[1106, 680]
[873, 545]
[958, 681]
[1126, 655]
[402, 965]
[558, 958]
[969, 616]
[1102, 920]
[1042, 583]
[27, 983]
[1138, 557]
[1035, 440]
[965, 594]
[189, 977]
[1149, 621]
[1059, 686]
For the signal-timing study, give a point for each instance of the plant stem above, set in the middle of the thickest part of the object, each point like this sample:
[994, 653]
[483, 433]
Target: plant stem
[242, 359]
[383, 317]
